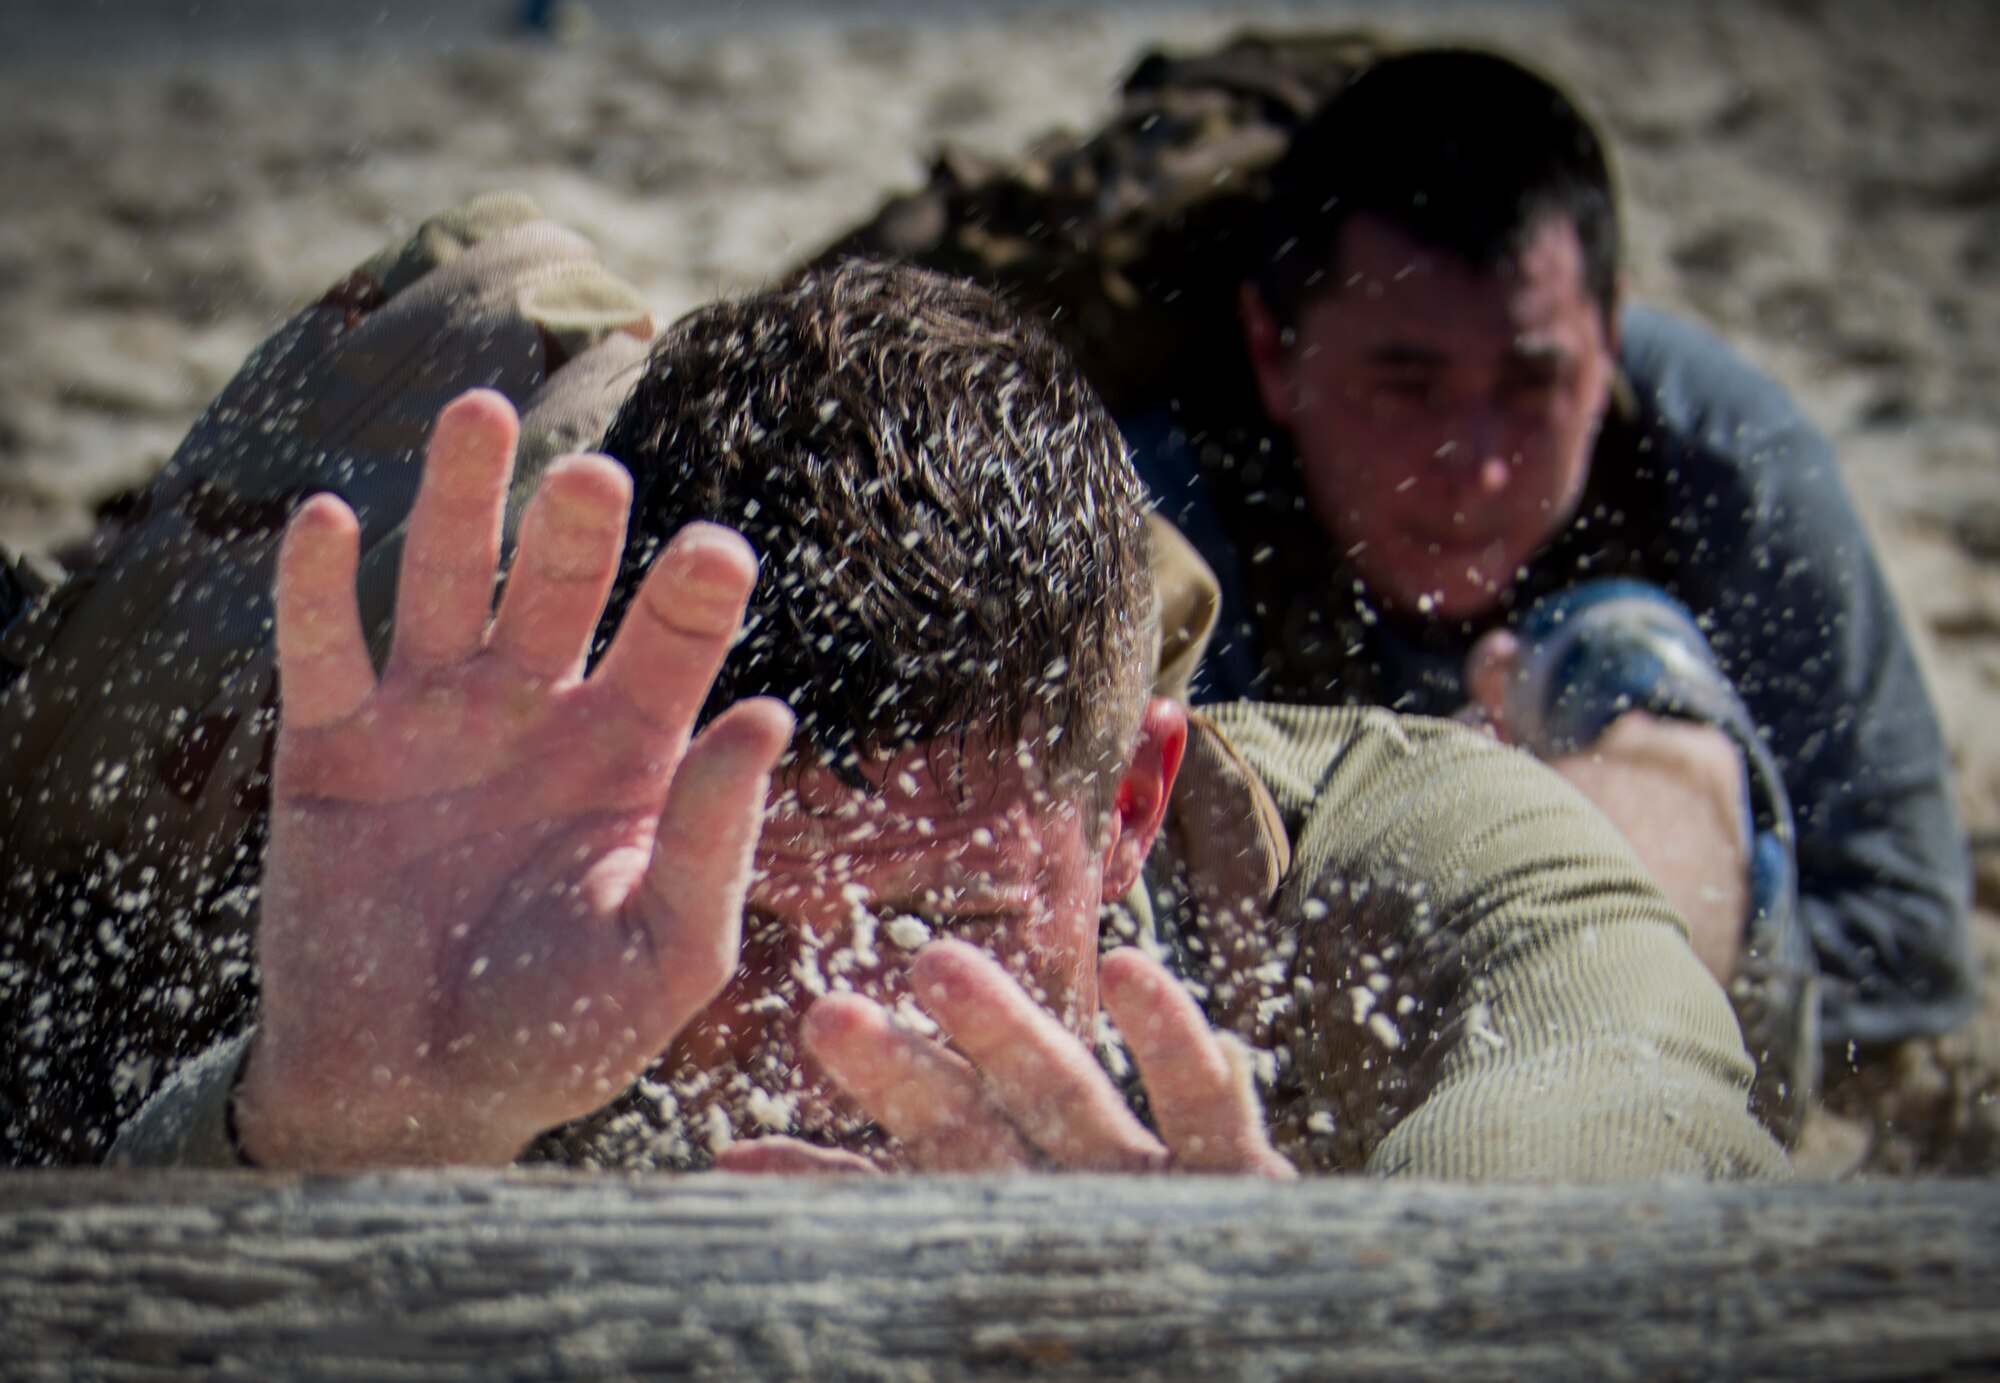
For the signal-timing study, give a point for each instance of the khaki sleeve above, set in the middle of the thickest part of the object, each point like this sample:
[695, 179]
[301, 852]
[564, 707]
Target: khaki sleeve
[1189, 604]
[186, 1122]
[1486, 983]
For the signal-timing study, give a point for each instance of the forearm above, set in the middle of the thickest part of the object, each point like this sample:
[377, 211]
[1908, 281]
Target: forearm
[202, 1118]
[1883, 873]
[1587, 1055]
[1895, 960]
[1675, 792]
[1493, 987]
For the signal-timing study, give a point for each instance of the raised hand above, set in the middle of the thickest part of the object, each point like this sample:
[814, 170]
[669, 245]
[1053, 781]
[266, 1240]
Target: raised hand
[495, 889]
[1016, 1090]
[1674, 789]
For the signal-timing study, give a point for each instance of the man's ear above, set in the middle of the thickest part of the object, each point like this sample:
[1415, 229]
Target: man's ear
[1264, 343]
[1140, 803]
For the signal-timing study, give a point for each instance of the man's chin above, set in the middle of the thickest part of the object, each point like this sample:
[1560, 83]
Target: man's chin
[1461, 598]
[1461, 581]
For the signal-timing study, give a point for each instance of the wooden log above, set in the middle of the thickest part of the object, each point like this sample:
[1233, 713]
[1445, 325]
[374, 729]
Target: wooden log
[476, 1276]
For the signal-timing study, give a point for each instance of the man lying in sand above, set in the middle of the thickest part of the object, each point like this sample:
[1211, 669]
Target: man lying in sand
[511, 909]
[1461, 434]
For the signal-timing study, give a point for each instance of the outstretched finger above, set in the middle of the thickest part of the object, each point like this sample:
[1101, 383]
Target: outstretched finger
[932, 1101]
[779, 1156]
[674, 638]
[323, 667]
[1043, 1076]
[451, 552]
[690, 901]
[1200, 1086]
[572, 536]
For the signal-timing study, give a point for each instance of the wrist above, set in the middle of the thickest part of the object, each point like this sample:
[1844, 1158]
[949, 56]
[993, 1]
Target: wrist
[280, 1117]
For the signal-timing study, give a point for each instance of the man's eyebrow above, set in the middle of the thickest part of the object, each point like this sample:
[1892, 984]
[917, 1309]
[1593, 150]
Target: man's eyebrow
[1398, 355]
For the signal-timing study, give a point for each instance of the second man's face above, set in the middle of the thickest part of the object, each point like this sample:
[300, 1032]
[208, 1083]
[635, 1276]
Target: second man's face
[1443, 416]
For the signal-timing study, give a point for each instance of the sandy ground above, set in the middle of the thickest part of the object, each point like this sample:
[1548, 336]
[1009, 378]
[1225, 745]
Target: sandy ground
[1819, 180]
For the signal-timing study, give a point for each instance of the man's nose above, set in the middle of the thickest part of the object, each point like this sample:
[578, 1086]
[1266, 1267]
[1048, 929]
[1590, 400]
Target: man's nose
[1479, 451]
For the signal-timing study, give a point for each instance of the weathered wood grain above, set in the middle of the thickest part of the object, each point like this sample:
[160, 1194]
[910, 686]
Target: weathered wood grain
[522, 1276]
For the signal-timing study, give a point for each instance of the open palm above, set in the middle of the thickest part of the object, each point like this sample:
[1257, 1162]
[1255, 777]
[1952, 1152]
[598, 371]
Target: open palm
[495, 889]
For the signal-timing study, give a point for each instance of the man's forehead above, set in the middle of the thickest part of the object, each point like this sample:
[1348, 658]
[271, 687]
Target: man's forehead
[1375, 256]
[1401, 302]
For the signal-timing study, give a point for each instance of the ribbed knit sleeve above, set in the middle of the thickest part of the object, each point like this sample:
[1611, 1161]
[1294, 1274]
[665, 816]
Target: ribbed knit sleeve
[1485, 984]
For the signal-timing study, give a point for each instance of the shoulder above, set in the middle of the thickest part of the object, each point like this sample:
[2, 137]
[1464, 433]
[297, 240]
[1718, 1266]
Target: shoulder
[1360, 784]
[1688, 382]
[1295, 750]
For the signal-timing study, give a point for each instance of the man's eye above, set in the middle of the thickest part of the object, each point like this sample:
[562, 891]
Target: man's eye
[964, 922]
[1533, 384]
[1406, 396]
[1406, 390]
[911, 930]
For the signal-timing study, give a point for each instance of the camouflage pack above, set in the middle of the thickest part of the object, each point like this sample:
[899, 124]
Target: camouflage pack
[1131, 240]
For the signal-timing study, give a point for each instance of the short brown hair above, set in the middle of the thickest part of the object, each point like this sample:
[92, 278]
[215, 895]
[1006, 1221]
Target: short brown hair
[1461, 150]
[949, 524]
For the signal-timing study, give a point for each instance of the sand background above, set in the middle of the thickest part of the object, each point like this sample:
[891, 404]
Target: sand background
[1818, 180]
